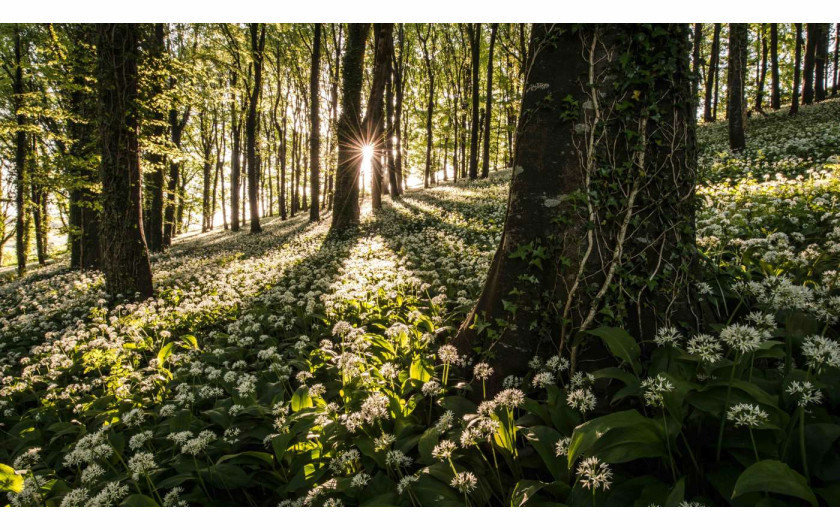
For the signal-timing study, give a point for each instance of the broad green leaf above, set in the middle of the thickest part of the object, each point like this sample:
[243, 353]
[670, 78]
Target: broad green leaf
[524, 490]
[620, 344]
[618, 437]
[9, 481]
[419, 370]
[301, 399]
[137, 500]
[773, 476]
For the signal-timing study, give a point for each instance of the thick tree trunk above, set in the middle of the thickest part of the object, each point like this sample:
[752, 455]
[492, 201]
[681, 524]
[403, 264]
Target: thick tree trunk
[257, 47]
[568, 239]
[346, 203]
[809, 68]
[475, 49]
[711, 77]
[797, 65]
[315, 127]
[390, 143]
[125, 258]
[488, 104]
[736, 74]
[775, 85]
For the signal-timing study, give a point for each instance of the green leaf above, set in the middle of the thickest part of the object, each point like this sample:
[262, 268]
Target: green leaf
[618, 437]
[773, 476]
[419, 370]
[677, 494]
[621, 345]
[427, 443]
[301, 399]
[164, 353]
[9, 481]
[137, 500]
[544, 440]
[524, 490]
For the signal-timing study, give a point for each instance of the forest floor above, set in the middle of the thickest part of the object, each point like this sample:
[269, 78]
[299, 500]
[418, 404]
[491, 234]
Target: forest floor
[291, 367]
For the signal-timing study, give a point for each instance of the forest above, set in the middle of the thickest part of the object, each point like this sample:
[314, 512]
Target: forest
[419, 264]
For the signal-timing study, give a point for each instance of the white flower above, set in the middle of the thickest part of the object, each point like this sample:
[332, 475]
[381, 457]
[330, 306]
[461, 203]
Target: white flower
[111, 494]
[141, 464]
[405, 483]
[542, 380]
[746, 415]
[173, 497]
[396, 458]
[448, 354]
[741, 338]
[562, 446]
[820, 352]
[594, 474]
[581, 399]
[806, 391]
[482, 371]
[510, 398]
[137, 441]
[444, 450]
[360, 480]
[706, 347]
[668, 336]
[655, 389]
[430, 388]
[465, 482]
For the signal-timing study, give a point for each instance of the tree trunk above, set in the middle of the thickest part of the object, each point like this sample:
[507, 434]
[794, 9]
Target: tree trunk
[430, 102]
[762, 75]
[736, 74]
[820, 62]
[157, 128]
[695, 55]
[569, 240]
[475, 49]
[257, 47]
[797, 65]
[21, 154]
[125, 258]
[346, 203]
[390, 143]
[315, 128]
[374, 120]
[834, 88]
[398, 110]
[488, 104]
[775, 86]
[711, 78]
[83, 234]
[809, 68]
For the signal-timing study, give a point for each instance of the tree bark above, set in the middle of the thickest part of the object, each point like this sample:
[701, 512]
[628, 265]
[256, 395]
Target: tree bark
[809, 68]
[350, 137]
[736, 74]
[775, 85]
[474, 31]
[375, 118]
[711, 78]
[762, 73]
[488, 104]
[565, 244]
[430, 101]
[21, 154]
[315, 128]
[257, 47]
[820, 62]
[797, 65]
[157, 128]
[125, 258]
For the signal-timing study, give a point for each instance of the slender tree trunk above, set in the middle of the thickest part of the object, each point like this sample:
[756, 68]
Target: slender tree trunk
[820, 62]
[374, 120]
[488, 104]
[775, 85]
[797, 65]
[398, 111]
[125, 258]
[315, 127]
[475, 49]
[711, 78]
[762, 76]
[736, 74]
[157, 128]
[257, 47]
[653, 177]
[235, 158]
[834, 88]
[809, 68]
[430, 102]
[21, 154]
[390, 142]
[695, 55]
[346, 204]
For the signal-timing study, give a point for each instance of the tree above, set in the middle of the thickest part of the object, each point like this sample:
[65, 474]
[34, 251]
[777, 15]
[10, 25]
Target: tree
[821, 62]
[125, 257]
[736, 74]
[157, 123]
[21, 154]
[775, 84]
[604, 195]
[474, 31]
[257, 46]
[794, 103]
[430, 101]
[375, 117]
[711, 77]
[314, 126]
[809, 68]
[488, 104]
[346, 202]
[762, 70]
